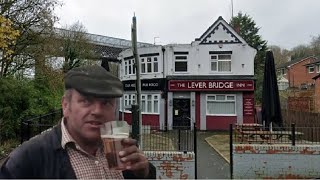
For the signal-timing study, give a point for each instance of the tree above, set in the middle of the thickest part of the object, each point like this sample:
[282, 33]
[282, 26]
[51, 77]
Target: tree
[8, 36]
[315, 45]
[34, 19]
[75, 45]
[249, 32]
[280, 55]
[301, 51]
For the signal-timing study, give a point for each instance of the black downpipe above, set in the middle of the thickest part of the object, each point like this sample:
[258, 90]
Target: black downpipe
[165, 92]
[195, 150]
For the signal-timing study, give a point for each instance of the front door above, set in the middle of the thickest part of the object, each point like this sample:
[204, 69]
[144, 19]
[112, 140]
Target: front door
[181, 113]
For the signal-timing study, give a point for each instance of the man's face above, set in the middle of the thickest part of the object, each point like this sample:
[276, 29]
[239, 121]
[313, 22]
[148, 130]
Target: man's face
[85, 115]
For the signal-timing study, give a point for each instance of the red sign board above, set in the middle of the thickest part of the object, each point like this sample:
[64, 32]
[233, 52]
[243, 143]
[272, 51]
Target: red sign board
[248, 106]
[211, 85]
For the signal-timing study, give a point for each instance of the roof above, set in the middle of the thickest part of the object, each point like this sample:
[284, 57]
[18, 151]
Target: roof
[313, 63]
[213, 34]
[107, 51]
[292, 62]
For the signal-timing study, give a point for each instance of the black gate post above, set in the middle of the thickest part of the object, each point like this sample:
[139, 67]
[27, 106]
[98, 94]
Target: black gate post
[21, 131]
[135, 122]
[293, 134]
[231, 149]
[179, 139]
[195, 150]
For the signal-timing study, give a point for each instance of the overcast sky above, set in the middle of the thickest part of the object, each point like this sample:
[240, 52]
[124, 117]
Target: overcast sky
[286, 23]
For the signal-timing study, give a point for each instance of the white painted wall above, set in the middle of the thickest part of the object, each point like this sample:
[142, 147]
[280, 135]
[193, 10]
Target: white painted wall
[276, 161]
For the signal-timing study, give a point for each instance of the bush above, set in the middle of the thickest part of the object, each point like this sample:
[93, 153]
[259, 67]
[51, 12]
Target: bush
[21, 99]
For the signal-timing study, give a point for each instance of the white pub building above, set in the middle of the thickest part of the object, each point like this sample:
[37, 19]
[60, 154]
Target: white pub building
[209, 82]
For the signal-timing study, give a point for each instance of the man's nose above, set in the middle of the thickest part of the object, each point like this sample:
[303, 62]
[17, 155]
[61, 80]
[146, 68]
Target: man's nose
[98, 108]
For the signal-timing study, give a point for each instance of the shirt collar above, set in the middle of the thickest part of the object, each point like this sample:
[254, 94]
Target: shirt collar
[66, 137]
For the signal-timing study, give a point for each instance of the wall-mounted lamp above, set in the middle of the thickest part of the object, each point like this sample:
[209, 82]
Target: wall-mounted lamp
[170, 102]
[220, 45]
[242, 65]
[192, 102]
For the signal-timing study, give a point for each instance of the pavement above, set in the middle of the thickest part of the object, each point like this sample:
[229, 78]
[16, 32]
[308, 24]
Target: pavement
[210, 164]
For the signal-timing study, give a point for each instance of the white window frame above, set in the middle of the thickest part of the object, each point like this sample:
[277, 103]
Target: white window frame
[129, 99]
[129, 64]
[309, 69]
[218, 61]
[234, 100]
[154, 97]
[153, 61]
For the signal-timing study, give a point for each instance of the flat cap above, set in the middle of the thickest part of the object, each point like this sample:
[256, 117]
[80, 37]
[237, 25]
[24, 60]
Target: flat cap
[93, 81]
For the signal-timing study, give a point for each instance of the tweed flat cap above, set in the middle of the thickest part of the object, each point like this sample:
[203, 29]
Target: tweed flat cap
[93, 81]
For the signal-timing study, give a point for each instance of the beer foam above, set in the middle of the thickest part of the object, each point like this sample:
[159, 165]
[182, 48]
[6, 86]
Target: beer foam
[116, 136]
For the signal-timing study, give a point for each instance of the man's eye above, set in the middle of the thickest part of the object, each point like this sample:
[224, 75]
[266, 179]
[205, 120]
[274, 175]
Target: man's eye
[108, 102]
[85, 101]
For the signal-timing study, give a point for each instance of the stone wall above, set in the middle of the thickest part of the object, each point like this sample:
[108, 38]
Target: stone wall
[172, 165]
[276, 161]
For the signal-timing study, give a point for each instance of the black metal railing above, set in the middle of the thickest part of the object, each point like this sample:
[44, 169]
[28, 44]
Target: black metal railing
[277, 135]
[180, 138]
[35, 125]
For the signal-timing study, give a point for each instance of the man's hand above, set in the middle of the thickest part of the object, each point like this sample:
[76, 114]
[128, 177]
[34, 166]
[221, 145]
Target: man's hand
[131, 155]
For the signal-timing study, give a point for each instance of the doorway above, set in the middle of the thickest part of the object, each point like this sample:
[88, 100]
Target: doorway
[181, 114]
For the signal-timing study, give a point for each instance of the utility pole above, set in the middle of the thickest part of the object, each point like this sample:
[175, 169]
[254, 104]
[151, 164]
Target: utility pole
[136, 111]
[231, 8]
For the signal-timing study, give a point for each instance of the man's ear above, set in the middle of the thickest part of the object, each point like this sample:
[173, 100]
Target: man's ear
[65, 106]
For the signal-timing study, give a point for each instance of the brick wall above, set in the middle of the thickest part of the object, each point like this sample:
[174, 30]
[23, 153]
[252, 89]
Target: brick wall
[276, 161]
[172, 165]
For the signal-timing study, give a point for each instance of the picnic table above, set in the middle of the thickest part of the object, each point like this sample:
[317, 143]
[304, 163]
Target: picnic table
[249, 126]
[253, 132]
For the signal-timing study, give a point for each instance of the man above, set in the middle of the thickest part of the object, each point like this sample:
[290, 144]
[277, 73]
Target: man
[73, 148]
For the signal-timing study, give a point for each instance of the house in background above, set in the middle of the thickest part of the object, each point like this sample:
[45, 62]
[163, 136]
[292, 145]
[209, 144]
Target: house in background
[303, 81]
[299, 72]
[209, 82]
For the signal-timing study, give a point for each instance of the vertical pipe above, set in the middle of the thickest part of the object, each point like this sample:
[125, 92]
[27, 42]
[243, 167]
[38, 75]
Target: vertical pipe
[293, 134]
[230, 146]
[195, 151]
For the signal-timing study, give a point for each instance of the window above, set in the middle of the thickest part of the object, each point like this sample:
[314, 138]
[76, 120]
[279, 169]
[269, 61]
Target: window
[220, 61]
[143, 66]
[129, 68]
[181, 61]
[155, 64]
[283, 71]
[129, 99]
[221, 104]
[311, 69]
[150, 103]
[149, 63]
